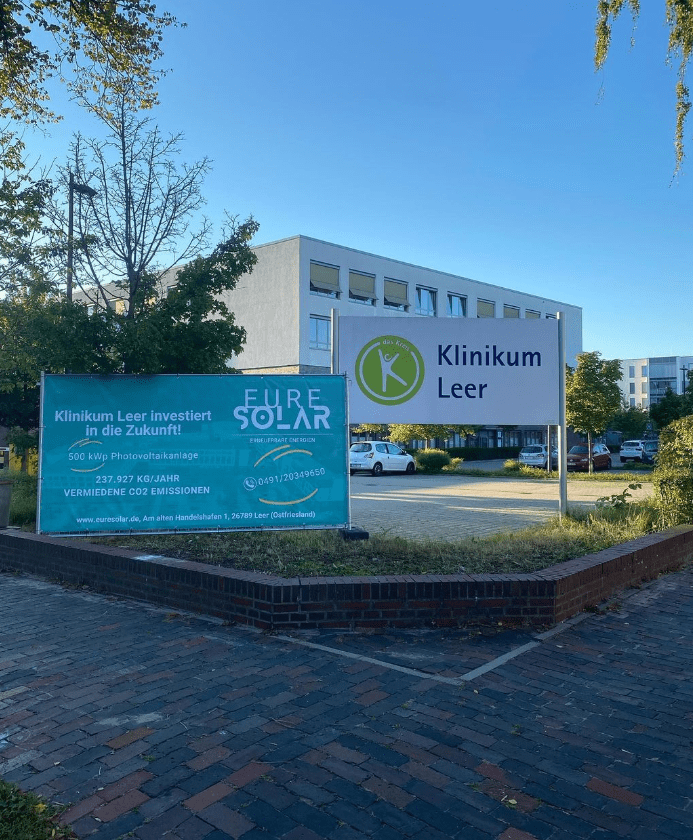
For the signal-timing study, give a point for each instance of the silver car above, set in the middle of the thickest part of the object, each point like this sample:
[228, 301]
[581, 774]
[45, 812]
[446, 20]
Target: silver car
[378, 457]
[536, 454]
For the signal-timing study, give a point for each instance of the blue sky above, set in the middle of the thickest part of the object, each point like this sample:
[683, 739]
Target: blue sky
[473, 138]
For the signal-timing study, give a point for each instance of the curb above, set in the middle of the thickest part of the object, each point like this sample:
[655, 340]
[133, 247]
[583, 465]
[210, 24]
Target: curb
[537, 599]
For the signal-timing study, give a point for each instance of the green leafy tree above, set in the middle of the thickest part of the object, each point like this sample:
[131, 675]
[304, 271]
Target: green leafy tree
[102, 50]
[24, 195]
[631, 421]
[379, 429]
[403, 432]
[679, 19]
[39, 331]
[673, 476]
[98, 48]
[673, 406]
[189, 329]
[592, 394]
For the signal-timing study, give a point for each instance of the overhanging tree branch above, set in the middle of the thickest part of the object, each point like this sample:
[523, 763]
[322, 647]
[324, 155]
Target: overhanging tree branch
[679, 19]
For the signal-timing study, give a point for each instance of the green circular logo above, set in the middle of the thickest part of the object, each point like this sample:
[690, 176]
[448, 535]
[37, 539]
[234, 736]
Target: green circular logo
[389, 370]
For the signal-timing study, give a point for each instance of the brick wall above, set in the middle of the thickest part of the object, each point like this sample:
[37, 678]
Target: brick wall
[540, 599]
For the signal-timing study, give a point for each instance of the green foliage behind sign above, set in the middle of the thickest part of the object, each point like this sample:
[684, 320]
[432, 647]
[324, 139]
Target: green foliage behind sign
[673, 477]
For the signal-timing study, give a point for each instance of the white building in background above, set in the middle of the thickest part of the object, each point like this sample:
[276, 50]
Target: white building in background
[285, 307]
[645, 381]
[285, 304]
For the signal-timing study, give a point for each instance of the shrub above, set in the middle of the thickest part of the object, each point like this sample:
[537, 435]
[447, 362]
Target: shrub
[455, 464]
[432, 460]
[673, 477]
[536, 472]
[511, 464]
[23, 500]
[483, 453]
[638, 466]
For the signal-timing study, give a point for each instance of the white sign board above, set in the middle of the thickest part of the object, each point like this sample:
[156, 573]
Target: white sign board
[486, 371]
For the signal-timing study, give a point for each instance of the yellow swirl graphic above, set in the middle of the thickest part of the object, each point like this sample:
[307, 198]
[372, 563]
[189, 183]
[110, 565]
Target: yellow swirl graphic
[292, 452]
[294, 502]
[86, 442]
[271, 452]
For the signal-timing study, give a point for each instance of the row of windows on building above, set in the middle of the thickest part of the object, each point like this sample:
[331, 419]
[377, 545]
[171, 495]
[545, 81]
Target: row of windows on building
[485, 438]
[324, 281]
[661, 379]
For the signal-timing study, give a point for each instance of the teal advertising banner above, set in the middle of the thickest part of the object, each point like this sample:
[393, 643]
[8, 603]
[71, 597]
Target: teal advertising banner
[190, 453]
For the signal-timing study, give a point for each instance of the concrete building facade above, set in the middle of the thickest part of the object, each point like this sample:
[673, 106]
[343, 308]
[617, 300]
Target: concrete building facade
[286, 303]
[645, 381]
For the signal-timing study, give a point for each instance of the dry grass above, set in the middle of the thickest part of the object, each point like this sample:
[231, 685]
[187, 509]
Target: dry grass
[325, 553]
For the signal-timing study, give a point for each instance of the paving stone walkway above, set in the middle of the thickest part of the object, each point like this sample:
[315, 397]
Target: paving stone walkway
[160, 725]
[449, 507]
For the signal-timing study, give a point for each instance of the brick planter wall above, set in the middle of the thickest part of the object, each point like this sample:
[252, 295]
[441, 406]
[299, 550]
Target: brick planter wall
[540, 598]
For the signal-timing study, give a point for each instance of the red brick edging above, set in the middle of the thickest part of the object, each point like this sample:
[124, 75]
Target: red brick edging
[540, 598]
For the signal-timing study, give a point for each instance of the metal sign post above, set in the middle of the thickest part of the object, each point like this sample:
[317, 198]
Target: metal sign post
[562, 431]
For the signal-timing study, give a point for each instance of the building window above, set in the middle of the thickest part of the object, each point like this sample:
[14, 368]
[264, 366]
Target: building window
[511, 311]
[632, 402]
[485, 309]
[644, 371]
[457, 306]
[116, 305]
[396, 296]
[643, 388]
[631, 371]
[531, 313]
[362, 288]
[552, 317]
[320, 333]
[324, 279]
[425, 301]
[632, 387]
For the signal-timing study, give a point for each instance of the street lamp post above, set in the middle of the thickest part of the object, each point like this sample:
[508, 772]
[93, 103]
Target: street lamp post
[82, 189]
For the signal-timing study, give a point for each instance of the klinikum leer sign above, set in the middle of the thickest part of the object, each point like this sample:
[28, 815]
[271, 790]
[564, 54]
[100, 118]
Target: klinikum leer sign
[177, 453]
[448, 370]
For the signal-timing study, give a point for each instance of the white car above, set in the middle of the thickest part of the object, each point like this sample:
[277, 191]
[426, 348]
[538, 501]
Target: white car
[632, 450]
[378, 457]
[535, 455]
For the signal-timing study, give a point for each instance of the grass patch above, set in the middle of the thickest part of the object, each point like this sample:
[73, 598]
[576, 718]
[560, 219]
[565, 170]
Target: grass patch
[613, 475]
[513, 469]
[24, 816]
[23, 498]
[325, 553]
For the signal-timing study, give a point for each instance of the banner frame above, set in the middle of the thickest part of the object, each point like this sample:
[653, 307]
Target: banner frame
[343, 433]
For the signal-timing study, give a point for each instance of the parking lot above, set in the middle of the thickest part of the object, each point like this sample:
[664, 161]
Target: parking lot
[450, 507]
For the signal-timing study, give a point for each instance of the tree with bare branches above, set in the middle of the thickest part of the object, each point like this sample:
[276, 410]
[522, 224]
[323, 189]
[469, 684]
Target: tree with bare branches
[138, 224]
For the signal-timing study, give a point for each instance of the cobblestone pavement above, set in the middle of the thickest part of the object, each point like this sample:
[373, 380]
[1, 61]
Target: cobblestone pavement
[450, 507]
[160, 725]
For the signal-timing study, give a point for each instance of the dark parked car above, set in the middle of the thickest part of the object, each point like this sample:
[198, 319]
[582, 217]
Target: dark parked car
[578, 460]
[650, 448]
